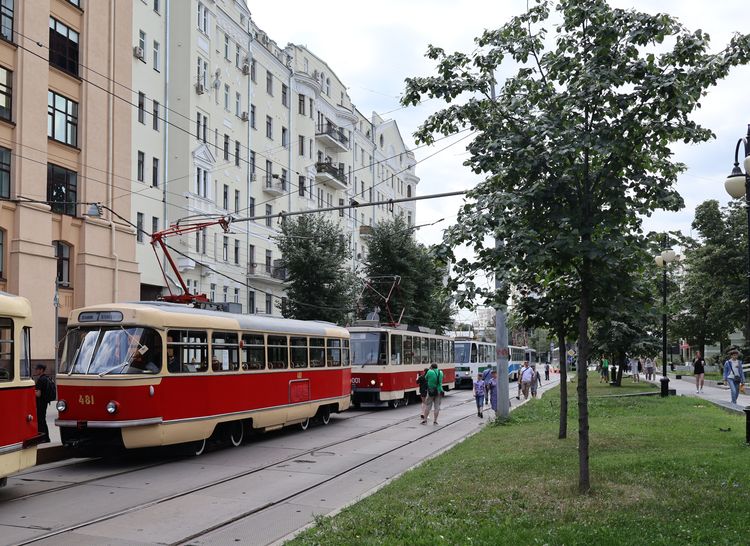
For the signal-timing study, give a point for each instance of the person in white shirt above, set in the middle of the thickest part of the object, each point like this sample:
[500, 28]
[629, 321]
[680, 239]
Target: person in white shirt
[733, 374]
[527, 375]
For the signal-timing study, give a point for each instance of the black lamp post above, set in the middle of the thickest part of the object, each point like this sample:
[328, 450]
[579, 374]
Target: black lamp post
[662, 260]
[737, 185]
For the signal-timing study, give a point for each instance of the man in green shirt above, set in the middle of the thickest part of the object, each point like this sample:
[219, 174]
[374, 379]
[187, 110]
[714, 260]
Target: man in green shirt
[434, 393]
[605, 370]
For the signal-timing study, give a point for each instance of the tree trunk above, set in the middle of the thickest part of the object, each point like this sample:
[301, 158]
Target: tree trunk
[584, 483]
[563, 384]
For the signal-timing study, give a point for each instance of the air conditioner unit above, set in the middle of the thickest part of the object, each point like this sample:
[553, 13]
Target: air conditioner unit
[246, 69]
[245, 116]
[200, 88]
[138, 53]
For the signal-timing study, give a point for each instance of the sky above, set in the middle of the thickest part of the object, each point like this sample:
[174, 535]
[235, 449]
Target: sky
[373, 48]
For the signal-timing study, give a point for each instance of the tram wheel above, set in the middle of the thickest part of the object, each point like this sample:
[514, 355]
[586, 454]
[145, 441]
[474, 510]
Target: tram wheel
[305, 424]
[198, 447]
[325, 416]
[405, 401]
[393, 403]
[236, 433]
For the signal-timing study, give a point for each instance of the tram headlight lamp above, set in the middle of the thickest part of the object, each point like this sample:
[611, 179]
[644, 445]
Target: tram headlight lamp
[372, 381]
[61, 405]
[112, 407]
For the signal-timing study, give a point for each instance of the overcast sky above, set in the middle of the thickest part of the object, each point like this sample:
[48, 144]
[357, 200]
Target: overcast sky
[373, 47]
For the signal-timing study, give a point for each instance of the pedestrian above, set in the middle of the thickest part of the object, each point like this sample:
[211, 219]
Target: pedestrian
[734, 374]
[434, 393]
[44, 388]
[604, 378]
[493, 391]
[699, 370]
[546, 371]
[536, 380]
[422, 383]
[635, 370]
[479, 392]
[649, 369]
[486, 374]
[520, 373]
[527, 375]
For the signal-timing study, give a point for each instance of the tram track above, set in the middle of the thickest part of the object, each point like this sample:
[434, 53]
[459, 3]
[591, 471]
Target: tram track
[235, 476]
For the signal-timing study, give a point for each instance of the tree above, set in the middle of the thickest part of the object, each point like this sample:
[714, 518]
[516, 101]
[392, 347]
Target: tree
[420, 295]
[315, 254]
[575, 144]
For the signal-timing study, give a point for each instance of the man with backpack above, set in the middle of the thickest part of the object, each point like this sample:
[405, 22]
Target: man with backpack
[45, 393]
[434, 393]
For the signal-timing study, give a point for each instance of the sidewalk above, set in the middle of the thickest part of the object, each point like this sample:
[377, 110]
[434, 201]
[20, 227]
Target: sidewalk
[716, 394]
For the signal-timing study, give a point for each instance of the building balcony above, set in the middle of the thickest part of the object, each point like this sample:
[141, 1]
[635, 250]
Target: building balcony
[327, 173]
[260, 271]
[275, 186]
[332, 137]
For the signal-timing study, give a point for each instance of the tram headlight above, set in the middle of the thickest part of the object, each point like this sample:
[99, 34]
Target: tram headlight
[61, 405]
[372, 382]
[112, 407]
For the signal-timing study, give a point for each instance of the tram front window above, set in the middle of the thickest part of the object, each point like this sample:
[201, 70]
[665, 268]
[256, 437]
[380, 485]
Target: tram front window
[104, 351]
[368, 349]
[462, 351]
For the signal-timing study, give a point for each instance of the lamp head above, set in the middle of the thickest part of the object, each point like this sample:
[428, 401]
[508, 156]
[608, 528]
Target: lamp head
[94, 210]
[659, 261]
[668, 255]
[735, 183]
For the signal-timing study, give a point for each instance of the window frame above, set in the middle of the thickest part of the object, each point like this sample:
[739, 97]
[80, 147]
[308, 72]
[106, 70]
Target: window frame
[69, 117]
[66, 58]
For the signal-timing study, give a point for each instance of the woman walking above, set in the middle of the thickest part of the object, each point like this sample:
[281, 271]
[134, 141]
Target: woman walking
[733, 374]
[699, 369]
[479, 391]
[535, 381]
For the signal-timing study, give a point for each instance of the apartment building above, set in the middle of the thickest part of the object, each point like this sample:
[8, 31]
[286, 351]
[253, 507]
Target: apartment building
[249, 129]
[73, 59]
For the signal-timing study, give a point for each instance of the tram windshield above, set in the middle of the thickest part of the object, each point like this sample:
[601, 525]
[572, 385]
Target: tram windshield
[111, 350]
[462, 352]
[368, 348]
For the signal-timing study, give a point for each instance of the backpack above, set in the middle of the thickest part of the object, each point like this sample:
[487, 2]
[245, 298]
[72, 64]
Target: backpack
[49, 392]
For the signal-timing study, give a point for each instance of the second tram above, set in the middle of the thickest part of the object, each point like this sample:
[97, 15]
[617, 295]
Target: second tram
[386, 362]
[19, 429]
[473, 357]
[154, 373]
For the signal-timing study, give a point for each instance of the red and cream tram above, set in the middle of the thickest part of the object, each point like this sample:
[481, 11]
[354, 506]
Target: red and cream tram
[18, 431]
[386, 362]
[154, 373]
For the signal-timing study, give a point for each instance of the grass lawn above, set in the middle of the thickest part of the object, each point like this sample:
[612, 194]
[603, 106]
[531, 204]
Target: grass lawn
[662, 472]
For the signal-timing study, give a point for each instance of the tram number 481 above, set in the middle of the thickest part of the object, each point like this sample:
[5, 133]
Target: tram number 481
[86, 399]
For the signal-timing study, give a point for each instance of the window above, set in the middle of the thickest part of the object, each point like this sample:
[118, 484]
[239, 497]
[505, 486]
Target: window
[156, 5]
[226, 97]
[251, 159]
[333, 352]
[202, 71]
[236, 295]
[301, 145]
[237, 153]
[226, 46]
[237, 54]
[6, 93]
[62, 119]
[225, 249]
[155, 115]
[269, 127]
[252, 70]
[212, 292]
[284, 137]
[225, 198]
[139, 227]
[141, 161]
[225, 350]
[237, 251]
[341, 210]
[141, 107]
[62, 189]
[202, 18]
[2, 253]
[190, 349]
[157, 57]
[283, 179]
[142, 40]
[301, 104]
[284, 95]
[201, 127]
[269, 310]
[201, 182]
[301, 185]
[4, 174]
[269, 82]
[236, 200]
[237, 104]
[154, 224]
[155, 172]
[63, 46]
[253, 344]
[226, 148]
[252, 116]
[298, 347]
[269, 213]
[6, 19]
[251, 207]
[62, 254]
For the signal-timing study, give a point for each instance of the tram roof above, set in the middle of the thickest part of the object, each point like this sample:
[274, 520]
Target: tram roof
[179, 315]
[14, 306]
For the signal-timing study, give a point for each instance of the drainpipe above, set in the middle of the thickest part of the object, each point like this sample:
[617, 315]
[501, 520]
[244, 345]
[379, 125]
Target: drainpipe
[110, 158]
[165, 125]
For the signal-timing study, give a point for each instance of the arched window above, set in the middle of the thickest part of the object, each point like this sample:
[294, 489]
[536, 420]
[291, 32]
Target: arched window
[381, 141]
[408, 190]
[62, 253]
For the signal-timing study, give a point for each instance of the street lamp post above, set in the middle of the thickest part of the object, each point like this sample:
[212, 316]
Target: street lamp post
[668, 255]
[737, 185]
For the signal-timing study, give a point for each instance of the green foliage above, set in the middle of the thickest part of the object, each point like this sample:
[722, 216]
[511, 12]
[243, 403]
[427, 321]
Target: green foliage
[421, 294]
[320, 286]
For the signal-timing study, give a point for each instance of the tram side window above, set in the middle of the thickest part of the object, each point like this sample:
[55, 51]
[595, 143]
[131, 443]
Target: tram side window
[255, 352]
[439, 352]
[397, 349]
[417, 344]
[474, 353]
[345, 353]
[333, 352]
[298, 347]
[26, 353]
[190, 348]
[278, 352]
[225, 352]
[6, 350]
[317, 352]
[408, 350]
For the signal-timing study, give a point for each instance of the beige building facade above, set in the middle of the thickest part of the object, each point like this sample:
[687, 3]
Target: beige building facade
[67, 57]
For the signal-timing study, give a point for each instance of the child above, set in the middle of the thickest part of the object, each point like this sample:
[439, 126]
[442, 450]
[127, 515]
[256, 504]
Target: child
[479, 394]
